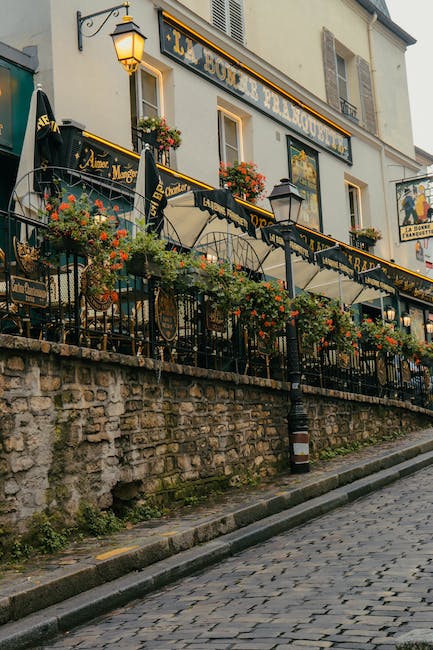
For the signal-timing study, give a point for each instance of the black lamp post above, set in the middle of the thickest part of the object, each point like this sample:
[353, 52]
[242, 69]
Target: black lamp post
[285, 201]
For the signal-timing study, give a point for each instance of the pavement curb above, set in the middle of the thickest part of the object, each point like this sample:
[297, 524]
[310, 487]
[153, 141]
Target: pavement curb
[155, 565]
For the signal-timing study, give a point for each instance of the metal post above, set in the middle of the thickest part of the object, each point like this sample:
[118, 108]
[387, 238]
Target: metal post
[297, 415]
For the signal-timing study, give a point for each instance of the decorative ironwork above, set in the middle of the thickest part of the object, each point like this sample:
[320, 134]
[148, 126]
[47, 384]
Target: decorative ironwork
[88, 21]
[348, 109]
[216, 319]
[27, 256]
[166, 314]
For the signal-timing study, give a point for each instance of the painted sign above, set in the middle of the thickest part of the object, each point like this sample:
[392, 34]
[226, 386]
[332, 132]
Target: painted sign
[209, 62]
[28, 292]
[304, 170]
[166, 314]
[415, 208]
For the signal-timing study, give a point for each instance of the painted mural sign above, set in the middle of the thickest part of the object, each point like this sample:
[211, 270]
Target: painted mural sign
[209, 62]
[304, 170]
[415, 208]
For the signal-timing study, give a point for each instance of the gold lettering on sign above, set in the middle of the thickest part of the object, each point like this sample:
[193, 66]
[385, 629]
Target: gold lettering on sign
[44, 120]
[177, 47]
[1, 128]
[127, 175]
[93, 162]
[174, 190]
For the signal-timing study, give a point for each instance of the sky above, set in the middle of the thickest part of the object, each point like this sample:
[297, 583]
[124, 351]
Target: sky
[416, 18]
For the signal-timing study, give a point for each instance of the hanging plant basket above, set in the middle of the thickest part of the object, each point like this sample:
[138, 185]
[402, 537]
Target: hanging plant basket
[149, 137]
[139, 264]
[68, 245]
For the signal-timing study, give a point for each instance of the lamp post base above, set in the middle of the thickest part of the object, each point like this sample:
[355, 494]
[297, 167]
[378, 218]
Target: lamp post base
[299, 437]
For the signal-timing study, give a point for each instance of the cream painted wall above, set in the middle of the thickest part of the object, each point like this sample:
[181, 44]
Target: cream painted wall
[392, 95]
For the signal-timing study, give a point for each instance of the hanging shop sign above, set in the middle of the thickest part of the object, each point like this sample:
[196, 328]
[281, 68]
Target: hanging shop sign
[166, 314]
[211, 63]
[24, 291]
[415, 208]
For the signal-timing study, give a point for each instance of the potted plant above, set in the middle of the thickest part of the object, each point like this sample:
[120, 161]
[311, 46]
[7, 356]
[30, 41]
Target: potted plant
[85, 227]
[158, 134]
[243, 180]
[148, 256]
[365, 237]
[265, 308]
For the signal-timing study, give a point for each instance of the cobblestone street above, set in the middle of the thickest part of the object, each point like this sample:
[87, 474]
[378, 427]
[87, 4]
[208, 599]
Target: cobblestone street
[354, 578]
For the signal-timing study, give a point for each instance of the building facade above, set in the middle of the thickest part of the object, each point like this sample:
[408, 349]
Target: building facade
[313, 91]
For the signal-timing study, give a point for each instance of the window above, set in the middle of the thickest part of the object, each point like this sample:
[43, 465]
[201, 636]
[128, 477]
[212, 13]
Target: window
[229, 137]
[148, 103]
[342, 78]
[354, 205]
[146, 99]
[228, 16]
[348, 82]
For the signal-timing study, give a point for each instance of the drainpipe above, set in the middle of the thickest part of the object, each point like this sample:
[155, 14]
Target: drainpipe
[385, 183]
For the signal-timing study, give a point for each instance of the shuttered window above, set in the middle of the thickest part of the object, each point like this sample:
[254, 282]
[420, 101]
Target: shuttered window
[228, 16]
[348, 82]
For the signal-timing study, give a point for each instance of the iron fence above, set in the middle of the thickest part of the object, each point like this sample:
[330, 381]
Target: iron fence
[42, 297]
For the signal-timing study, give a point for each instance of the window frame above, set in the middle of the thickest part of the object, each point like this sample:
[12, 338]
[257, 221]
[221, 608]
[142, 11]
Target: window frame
[157, 75]
[222, 115]
[355, 215]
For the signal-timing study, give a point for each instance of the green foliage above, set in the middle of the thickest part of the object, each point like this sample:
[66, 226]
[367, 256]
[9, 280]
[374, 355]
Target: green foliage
[152, 248]
[141, 512]
[46, 534]
[243, 179]
[166, 137]
[78, 221]
[96, 522]
[356, 445]
[368, 231]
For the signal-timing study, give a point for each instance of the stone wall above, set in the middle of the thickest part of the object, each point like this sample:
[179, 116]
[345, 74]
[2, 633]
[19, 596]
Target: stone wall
[82, 425]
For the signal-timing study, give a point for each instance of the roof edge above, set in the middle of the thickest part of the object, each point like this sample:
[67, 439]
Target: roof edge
[24, 59]
[369, 6]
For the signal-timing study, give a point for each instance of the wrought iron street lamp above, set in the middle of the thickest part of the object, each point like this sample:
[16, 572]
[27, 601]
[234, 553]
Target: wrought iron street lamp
[429, 327]
[406, 319]
[389, 313]
[286, 201]
[127, 39]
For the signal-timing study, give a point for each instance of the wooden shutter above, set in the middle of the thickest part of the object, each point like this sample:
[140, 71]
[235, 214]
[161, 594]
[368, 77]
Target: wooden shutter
[366, 93]
[236, 15]
[228, 16]
[330, 69]
[219, 14]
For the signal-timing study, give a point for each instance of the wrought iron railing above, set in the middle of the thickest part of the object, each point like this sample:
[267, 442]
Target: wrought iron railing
[140, 139]
[45, 300]
[348, 109]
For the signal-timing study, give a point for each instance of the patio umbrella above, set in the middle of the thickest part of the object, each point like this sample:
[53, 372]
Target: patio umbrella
[41, 147]
[273, 258]
[149, 197]
[335, 277]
